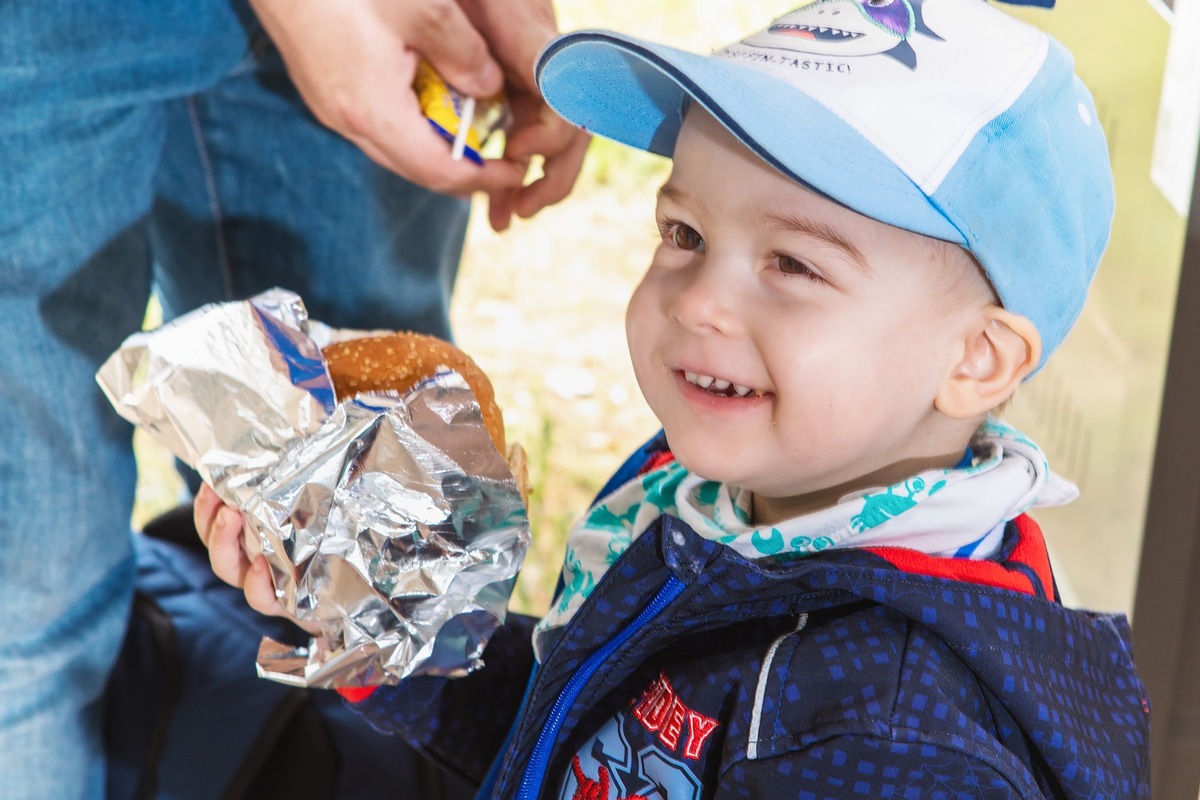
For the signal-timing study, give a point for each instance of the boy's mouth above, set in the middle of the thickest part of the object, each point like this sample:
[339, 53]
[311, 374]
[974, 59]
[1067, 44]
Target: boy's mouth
[720, 386]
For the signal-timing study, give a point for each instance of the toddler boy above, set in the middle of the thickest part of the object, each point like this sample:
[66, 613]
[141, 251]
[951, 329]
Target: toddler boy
[819, 581]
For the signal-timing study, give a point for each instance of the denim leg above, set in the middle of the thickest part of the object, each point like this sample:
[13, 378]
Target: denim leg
[74, 278]
[80, 139]
[254, 193]
[116, 153]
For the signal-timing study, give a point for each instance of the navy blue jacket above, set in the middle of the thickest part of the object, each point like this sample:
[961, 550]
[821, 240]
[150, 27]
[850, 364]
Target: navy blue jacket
[691, 672]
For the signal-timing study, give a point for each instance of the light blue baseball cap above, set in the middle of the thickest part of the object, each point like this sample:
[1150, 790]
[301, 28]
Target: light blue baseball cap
[948, 118]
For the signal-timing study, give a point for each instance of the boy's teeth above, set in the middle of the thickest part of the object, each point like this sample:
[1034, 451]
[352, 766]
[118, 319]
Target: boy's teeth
[720, 385]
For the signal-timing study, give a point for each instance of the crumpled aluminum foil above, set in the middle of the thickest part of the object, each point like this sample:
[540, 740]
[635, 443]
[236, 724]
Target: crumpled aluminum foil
[392, 523]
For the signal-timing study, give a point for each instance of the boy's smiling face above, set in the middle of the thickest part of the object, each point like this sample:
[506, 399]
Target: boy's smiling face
[788, 345]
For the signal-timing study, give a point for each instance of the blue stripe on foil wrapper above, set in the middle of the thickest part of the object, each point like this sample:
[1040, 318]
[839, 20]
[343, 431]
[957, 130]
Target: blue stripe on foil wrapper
[306, 368]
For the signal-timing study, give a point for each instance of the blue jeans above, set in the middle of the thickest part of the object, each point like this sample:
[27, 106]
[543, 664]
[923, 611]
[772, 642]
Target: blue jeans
[149, 142]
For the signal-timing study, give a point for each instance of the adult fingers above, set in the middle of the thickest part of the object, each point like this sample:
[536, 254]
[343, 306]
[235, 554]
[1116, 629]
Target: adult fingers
[562, 160]
[395, 134]
[353, 63]
[441, 31]
[559, 172]
[537, 130]
[500, 209]
[502, 202]
[407, 145]
[516, 31]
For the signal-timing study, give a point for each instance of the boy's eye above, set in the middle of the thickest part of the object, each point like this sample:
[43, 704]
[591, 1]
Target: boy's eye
[792, 266]
[685, 237]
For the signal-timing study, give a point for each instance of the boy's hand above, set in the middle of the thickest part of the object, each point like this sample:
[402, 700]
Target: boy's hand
[221, 530]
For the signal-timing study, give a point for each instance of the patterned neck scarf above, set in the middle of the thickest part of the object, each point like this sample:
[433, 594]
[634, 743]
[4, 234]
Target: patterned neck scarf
[962, 512]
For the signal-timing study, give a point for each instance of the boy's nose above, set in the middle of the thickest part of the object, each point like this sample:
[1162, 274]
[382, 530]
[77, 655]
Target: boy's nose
[704, 301]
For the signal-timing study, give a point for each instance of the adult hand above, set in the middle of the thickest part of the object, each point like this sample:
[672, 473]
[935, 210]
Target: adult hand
[354, 61]
[221, 530]
[516, 31]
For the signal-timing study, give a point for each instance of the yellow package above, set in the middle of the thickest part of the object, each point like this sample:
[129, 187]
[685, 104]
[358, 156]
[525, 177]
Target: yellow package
[465, 122]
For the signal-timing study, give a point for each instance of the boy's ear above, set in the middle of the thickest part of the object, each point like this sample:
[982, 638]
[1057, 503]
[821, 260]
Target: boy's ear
[996, 356]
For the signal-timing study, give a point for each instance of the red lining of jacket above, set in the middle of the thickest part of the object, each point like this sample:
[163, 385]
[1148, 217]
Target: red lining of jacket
[1030, 550]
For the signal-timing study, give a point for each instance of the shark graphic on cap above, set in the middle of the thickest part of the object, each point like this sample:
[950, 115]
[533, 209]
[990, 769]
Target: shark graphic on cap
[849, 28]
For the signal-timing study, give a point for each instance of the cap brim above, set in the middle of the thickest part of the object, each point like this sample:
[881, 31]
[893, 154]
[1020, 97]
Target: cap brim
[633, 91]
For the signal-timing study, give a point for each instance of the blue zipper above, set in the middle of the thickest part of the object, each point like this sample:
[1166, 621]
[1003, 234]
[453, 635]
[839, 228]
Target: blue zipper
[539, 760]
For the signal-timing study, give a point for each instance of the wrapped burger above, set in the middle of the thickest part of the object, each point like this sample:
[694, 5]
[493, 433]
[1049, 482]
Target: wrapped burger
[381, 496]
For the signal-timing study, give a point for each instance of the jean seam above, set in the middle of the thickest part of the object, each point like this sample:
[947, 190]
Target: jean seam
[214, 201]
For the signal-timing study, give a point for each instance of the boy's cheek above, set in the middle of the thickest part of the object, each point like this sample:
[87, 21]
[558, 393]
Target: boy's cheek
[641, 316]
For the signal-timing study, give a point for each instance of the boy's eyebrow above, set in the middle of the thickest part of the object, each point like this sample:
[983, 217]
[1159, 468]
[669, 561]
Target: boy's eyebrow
[669, 192]
[824, 232]
[791, 222]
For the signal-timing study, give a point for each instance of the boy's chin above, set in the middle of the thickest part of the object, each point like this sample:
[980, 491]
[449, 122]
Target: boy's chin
[702, 461]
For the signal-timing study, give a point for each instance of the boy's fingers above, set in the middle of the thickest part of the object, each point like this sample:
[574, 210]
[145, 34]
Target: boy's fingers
[260, 595]
[225, 554]
[260, 589]
[204, 508]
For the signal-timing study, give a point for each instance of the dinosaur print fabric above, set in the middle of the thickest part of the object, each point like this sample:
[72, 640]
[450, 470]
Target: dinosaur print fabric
[943, 512]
